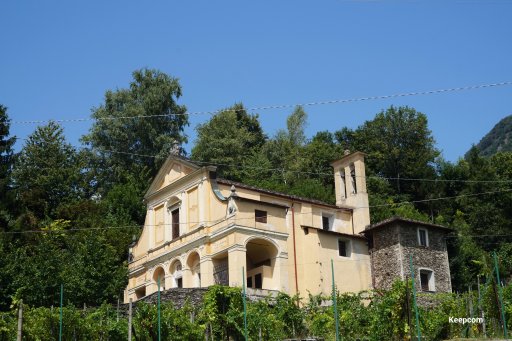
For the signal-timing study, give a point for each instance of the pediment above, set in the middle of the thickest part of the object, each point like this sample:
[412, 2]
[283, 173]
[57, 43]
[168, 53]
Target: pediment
[174, 168]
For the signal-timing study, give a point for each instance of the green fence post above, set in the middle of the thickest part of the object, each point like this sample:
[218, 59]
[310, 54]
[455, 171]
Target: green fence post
[418, 330]
[158, 308]
[335, 303]
[60, 317]
[500, 295]
[245, 303]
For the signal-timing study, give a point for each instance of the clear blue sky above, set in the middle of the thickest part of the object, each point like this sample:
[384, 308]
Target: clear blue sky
[58, 58]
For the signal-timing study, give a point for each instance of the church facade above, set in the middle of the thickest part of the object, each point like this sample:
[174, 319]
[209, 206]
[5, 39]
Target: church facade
[202, 230]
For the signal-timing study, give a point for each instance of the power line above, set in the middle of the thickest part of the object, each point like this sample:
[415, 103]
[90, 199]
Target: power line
[280, 170]
[438, 199]
[214, 222]
[280, 106]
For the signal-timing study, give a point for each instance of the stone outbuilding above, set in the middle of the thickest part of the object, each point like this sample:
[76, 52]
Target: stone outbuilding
[392, 241]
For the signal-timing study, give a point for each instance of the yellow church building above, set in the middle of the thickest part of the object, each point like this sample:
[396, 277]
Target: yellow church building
[201, 230]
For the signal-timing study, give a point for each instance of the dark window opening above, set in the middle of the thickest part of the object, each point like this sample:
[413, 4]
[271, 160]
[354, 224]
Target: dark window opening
[353, 178]
[258, 281]
[423, 237]
[425, 279]
[342, 248]
[249, 282]
[179, 282]
[260, 216]
[141, 292]
[325, 223]
[175, 216]
[343, 184]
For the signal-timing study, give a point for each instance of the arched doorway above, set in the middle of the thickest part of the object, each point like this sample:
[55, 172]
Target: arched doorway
[177, 274]
[195, 270]
[261, 257]
[159, 278]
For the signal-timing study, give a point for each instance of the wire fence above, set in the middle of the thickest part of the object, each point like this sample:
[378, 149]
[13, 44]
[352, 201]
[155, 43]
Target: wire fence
[484, 310]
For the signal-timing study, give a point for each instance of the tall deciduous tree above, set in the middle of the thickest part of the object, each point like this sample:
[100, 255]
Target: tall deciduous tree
[398, 143]
[47, 172]
[229, 138]
[285, 151]
[144, 119]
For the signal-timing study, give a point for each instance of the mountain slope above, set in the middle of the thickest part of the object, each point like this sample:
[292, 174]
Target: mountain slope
[499, 139]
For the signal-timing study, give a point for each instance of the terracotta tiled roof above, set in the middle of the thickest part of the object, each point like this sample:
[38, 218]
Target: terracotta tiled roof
[279, 194]
[404, 220]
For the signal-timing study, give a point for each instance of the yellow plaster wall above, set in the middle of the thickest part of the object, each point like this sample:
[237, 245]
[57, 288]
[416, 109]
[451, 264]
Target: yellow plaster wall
[159, 224]
[314, 250]
[276, 216]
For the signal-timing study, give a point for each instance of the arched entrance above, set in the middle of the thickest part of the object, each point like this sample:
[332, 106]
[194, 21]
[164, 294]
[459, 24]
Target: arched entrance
[261, 257]
[177, 274]
[159, 278]
[195, 271]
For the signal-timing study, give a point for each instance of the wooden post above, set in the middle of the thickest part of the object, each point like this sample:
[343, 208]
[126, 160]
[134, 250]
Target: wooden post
[480, 307]
[130, 320]
[117, 318]
[20, 321]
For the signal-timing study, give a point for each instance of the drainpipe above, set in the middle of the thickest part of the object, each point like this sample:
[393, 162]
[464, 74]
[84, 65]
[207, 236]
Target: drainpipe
[294, 251]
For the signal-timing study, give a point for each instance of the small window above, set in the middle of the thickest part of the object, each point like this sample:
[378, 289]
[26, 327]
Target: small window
[342, 248]
[260, 216]
[427, 280]
[258, 281]
[422, 237]
[249, 282]
[175, 217]
[327, 221]
[179, 282]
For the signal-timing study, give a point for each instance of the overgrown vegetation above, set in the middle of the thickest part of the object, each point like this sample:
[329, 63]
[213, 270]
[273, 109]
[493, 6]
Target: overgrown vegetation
[372, 316]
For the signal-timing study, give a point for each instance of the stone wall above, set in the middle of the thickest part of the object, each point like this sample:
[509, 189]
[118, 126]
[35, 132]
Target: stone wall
[392, 246]
[385, 257]
[178, 296]
[434, 257]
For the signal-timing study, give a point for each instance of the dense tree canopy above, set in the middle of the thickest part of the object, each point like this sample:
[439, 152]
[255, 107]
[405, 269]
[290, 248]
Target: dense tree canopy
[229, 138]
[47, 172]
[143, 119]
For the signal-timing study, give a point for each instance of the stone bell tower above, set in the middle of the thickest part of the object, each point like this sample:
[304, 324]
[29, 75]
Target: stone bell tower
[350, 187]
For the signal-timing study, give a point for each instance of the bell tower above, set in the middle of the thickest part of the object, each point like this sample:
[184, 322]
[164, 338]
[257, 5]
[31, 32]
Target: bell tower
[350, 187]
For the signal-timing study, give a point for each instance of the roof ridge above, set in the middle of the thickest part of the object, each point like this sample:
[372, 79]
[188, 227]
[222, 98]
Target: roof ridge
[272, 192]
